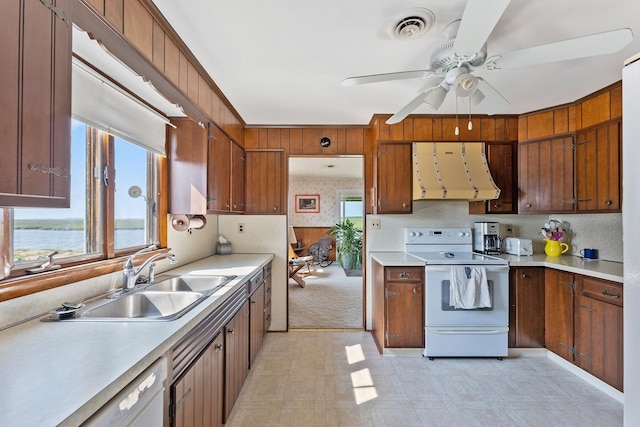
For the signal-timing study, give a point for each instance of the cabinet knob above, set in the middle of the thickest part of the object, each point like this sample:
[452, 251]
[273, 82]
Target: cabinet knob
[608, 202]
[234, 206]
[496, 206]
[226, 204]
[218, 347]
[275, 208]
[253, 301]
[415, 290]
[528, 205]
[404, 205]
[231, 331]
[524, 275]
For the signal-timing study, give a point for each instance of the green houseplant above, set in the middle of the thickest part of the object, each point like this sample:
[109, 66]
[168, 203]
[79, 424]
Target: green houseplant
[349, 240]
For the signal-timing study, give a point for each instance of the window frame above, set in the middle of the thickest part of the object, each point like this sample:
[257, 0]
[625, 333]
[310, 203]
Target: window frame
[108, 260]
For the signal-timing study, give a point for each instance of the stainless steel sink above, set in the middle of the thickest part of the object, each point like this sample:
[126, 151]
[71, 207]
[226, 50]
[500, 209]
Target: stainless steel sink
[146, 306]
[189, 283]
[168, 298]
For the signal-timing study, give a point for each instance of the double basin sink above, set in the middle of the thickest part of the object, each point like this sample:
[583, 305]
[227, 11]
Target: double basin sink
[167, 298]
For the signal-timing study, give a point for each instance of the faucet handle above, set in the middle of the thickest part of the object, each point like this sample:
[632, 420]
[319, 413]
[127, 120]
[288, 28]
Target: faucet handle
[152, 272]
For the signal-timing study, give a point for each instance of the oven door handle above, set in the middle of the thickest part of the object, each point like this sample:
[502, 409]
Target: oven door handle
[489, 268]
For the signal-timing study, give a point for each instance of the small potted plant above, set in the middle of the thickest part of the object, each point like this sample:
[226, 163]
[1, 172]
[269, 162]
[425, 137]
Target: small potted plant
[349, 240]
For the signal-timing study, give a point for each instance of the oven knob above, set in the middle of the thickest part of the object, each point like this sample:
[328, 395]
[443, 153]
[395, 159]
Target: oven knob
[462, 234]
[418, 234]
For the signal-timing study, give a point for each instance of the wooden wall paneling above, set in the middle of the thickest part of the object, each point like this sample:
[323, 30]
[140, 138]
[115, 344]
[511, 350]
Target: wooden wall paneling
[522, 129]
[423, 129]
[449, 129]
[98, 5]
[488, 127]
[355, 141]
[573, 120]
[204, 95]
[311, 235]
[539, 125]
[409, 133]
[465, 133]
[274, 138]
[384, 131]
[561, 121]
[596, 110]
[251, 138]
[397, 131]
[192, 82]
[437, 127]
[215, 108]
[511, 132]
[171, 61]
[138, 27]
[184, 74]
[114, 13]
[158, 46]
[295, 141]
[284, 139]
[311, 141]
[331, 133]
[616, 102]
[369, 160]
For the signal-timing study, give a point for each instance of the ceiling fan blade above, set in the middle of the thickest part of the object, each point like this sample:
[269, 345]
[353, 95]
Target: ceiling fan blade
[492, 101]
[581, 47]
[478, 20]
[408, 109]
[376, 78]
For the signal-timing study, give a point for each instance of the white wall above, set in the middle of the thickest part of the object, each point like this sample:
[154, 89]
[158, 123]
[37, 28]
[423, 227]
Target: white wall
[327, 189]
[263, 234]
[631, 237]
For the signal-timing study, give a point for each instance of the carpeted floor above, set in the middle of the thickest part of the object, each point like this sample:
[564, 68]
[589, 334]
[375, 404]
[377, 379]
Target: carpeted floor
[330, 300]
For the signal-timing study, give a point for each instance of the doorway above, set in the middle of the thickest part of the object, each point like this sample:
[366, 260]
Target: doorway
[322, 191]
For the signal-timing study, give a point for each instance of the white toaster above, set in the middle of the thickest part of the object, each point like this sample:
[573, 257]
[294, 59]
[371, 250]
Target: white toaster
[517, 246]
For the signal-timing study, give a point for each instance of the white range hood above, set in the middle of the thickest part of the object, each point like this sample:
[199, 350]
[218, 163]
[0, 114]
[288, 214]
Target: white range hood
[452, 171]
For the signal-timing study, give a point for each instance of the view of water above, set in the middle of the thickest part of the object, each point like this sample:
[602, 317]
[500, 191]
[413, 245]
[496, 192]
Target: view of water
[30, 239]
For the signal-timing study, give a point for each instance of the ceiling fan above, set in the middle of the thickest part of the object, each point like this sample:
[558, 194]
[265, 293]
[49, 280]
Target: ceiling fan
[465, 50]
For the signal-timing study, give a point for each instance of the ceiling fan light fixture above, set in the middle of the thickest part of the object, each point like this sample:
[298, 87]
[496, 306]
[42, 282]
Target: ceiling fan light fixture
[435, 97]
[465, 84]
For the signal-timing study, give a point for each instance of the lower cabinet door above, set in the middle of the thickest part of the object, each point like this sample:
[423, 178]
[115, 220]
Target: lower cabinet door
[197, 396]
[237, 357]
[404, 315]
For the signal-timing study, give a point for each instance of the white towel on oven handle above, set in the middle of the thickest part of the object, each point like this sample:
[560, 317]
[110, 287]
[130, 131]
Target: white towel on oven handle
[469, 288]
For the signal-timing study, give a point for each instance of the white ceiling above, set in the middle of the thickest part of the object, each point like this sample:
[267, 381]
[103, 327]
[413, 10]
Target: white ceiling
[281, 62]
[326, 167]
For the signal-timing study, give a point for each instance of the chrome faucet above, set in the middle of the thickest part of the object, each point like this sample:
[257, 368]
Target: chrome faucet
[131, 274]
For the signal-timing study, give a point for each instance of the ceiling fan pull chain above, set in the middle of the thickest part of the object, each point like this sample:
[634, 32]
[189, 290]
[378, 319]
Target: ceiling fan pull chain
[469, 125]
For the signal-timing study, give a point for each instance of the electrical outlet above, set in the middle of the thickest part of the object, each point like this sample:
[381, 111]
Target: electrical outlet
[240, 228]
[375, 224]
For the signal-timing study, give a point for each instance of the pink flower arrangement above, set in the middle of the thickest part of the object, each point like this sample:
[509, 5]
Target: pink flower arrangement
[552, 230]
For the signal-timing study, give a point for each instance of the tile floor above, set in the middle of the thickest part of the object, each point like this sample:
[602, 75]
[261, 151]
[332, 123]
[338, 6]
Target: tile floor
[337, 378]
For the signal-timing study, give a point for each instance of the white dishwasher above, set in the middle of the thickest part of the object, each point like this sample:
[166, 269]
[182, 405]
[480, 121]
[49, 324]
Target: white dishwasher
[139, 404]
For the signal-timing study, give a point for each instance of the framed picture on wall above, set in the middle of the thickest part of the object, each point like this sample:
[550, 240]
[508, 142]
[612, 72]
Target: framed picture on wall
[307, 203]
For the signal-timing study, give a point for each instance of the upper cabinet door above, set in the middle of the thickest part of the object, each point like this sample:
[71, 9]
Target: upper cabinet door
[187, 167]
[264, 182]
[219, 171]
[393, 178]
[546, 176]
[237, 178]
[35, 82]
[598, 168]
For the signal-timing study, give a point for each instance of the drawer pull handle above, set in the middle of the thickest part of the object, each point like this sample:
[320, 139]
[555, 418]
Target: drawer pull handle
[610, 293]
[405, 275]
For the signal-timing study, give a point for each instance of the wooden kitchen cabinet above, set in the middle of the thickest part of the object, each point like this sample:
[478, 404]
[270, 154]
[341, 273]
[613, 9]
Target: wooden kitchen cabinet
[35, 82]
[264, 182]
[599, 329]
[527, 312]
[546, 176]
[502, 160]
[398, 307]
[187, 167]
[598, 159]
[559, 313]
[256, 315]
[225, 174]
[198, 393]
[267, 298]
[236, 333]
[393, 179]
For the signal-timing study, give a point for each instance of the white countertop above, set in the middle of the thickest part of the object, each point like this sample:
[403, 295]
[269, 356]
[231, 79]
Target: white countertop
[607, 270]
[60, 373]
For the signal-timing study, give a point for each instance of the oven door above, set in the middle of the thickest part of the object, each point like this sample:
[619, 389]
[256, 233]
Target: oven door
[440, 313]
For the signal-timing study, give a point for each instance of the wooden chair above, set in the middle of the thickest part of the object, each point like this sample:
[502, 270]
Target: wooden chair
[296, 263]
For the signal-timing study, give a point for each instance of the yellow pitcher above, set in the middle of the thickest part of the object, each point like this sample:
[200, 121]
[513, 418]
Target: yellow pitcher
[555, 248]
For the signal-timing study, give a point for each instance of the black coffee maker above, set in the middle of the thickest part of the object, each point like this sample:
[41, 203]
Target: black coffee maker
[486, 238]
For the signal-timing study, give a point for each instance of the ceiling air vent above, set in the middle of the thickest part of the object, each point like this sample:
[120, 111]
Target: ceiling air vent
[411, 24]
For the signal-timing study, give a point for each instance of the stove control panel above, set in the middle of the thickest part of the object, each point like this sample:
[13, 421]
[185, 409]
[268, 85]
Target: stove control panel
[434, 236]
